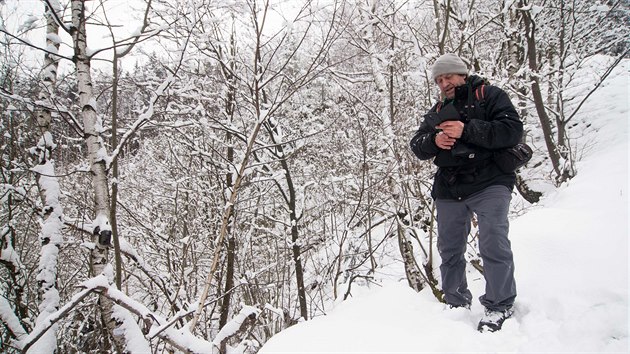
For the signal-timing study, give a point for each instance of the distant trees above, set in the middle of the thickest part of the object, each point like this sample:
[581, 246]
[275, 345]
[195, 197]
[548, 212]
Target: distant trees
[252, 167]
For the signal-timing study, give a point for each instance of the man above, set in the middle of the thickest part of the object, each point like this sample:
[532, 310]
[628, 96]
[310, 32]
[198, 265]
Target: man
[468, 181]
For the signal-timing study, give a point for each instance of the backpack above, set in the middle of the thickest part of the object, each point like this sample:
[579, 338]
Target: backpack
[509, 159]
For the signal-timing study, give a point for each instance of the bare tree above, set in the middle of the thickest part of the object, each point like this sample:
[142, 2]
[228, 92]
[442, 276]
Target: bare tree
[578, 33]
[536, 90]
[270, 88]
[13, 196]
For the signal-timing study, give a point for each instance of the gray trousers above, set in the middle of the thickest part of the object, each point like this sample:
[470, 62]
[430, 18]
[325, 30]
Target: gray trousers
[454, 217]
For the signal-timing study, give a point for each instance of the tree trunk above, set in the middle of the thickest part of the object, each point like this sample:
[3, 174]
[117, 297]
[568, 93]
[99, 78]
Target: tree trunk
[441, 34]
[118, 54]
[231, 245]
[52, 223]
[115, 236]
[93, 126]
[230, 106]
[515, 60]
[299, 271]
[545, 122]
[414, 274]
[229, 285]
[290, 198]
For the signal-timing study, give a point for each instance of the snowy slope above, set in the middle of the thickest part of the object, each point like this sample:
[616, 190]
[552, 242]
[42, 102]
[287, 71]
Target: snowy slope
[571, 254]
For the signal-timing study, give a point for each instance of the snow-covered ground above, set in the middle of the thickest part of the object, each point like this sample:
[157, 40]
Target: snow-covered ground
[571, 254]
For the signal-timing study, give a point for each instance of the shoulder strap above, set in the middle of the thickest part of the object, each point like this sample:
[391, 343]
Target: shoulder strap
[479, 96]
[480, 93]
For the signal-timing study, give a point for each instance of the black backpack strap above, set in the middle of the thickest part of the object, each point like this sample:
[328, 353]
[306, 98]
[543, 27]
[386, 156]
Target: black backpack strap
[470, 104]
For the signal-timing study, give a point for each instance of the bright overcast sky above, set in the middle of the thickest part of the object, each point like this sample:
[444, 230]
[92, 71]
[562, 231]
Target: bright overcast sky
[121, 13]
[125, 15]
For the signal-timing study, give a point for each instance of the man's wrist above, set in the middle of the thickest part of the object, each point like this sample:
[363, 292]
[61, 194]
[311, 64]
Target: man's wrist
[463, 136]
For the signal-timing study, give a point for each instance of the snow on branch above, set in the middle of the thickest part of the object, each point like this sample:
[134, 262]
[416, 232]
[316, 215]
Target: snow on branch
[43, 326]
[148, 113]
[237, 325]
[181, 339]
[135, 342]
[10, 320]
[39, 104]
[27, 43]
[227, 212]
[8, 255]
[603, 77]
[143, 118]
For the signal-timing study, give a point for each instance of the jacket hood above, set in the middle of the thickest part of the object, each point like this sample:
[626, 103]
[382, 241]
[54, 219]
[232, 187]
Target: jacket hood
[472, 82]
[475, 80]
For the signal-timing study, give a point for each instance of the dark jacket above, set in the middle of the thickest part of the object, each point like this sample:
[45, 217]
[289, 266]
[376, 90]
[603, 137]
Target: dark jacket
[491, 126]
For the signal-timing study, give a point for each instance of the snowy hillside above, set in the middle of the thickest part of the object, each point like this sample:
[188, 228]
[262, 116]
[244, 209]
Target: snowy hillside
[571, 254]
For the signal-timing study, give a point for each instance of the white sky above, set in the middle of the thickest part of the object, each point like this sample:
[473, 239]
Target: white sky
[124, 14]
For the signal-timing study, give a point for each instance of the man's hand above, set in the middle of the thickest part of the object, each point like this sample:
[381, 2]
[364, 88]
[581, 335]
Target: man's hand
[452, 128]
[443, 141]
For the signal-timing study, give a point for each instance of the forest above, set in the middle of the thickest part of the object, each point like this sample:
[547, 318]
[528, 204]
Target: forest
[195, 176]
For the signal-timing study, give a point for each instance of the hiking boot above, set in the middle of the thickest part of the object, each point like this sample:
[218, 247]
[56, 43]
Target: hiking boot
[493, 320]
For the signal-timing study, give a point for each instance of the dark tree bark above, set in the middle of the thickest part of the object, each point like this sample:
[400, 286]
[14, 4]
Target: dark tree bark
[545, 121]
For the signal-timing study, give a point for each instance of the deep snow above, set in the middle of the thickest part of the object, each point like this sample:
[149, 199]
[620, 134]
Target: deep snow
[571, 254]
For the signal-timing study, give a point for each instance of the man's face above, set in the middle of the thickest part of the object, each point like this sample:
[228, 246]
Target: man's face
[448, 82]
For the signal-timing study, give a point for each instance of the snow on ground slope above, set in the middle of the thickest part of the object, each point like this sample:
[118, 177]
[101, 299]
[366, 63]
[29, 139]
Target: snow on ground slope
[571, 254]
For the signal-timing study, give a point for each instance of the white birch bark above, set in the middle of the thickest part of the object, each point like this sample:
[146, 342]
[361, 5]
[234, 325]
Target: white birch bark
[51, 233]
[97, 157]
[92, 126]
[377, 66]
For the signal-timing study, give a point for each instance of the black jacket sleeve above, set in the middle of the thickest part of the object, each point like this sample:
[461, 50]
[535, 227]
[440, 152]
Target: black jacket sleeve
[501, 128]
[423, 142]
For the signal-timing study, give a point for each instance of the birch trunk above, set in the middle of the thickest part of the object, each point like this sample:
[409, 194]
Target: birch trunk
[97, 158]
[52, 225]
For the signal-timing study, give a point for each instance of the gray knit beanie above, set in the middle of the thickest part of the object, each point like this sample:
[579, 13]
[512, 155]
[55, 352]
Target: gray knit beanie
[449, 63]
